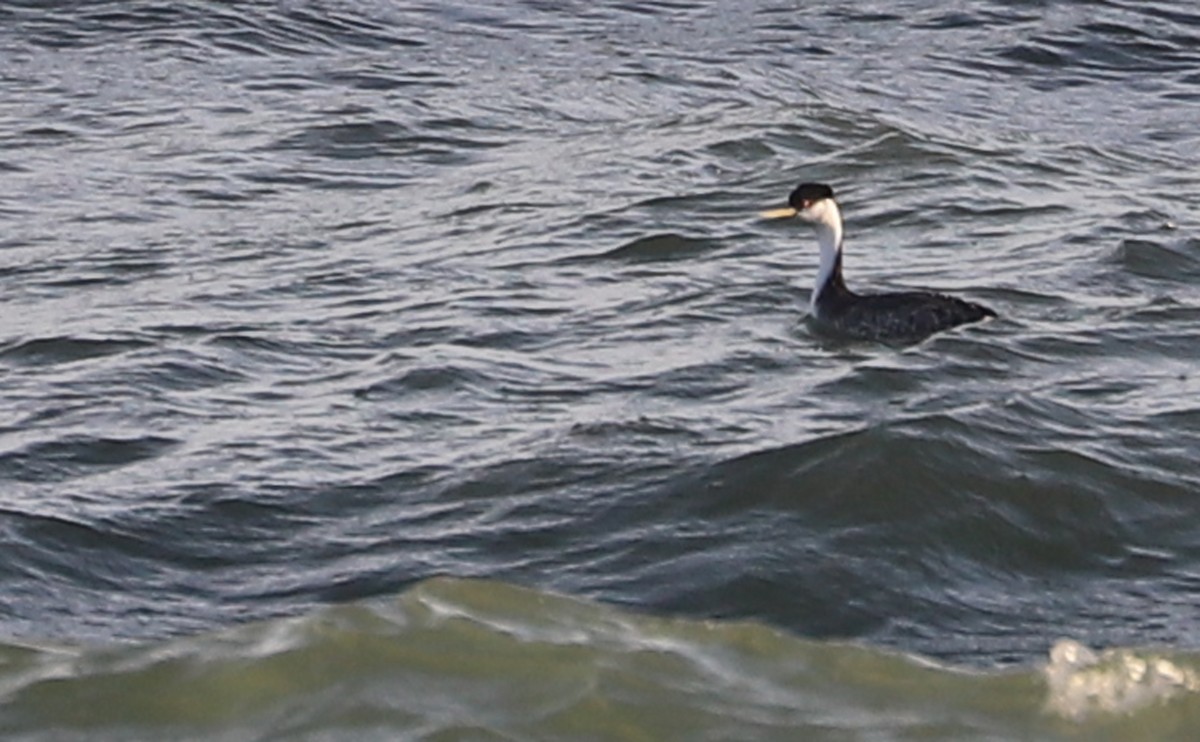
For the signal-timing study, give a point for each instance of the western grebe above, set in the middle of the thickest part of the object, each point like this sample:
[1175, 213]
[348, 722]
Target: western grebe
[899, 317]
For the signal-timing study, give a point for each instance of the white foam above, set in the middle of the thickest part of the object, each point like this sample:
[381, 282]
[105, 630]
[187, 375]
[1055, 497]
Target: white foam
[1082, 682]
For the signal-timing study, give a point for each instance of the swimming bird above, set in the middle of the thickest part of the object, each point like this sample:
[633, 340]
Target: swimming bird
[905, 316]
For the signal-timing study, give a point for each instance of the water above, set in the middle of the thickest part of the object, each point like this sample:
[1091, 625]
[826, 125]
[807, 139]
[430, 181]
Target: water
[421, 371]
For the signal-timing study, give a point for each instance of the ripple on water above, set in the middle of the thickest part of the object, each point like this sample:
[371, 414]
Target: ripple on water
[71, 456]
[49, 351]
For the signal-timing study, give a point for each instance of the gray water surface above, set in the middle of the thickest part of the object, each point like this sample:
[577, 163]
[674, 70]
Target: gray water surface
[304, 303]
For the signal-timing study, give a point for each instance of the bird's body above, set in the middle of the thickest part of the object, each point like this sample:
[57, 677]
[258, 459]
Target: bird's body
[904, 316]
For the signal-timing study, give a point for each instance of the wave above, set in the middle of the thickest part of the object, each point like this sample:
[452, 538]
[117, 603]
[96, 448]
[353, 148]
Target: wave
[458, 659]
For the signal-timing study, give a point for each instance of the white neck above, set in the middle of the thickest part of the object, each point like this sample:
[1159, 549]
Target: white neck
[827, 220]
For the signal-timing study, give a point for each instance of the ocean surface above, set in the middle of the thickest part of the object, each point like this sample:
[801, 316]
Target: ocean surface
[422, 371]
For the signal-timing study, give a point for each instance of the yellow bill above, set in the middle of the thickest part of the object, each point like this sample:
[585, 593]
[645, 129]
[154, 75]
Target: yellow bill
[778, 213]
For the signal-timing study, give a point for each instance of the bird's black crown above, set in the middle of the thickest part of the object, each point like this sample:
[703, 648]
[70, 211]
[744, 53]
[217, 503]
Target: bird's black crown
[807, 193]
